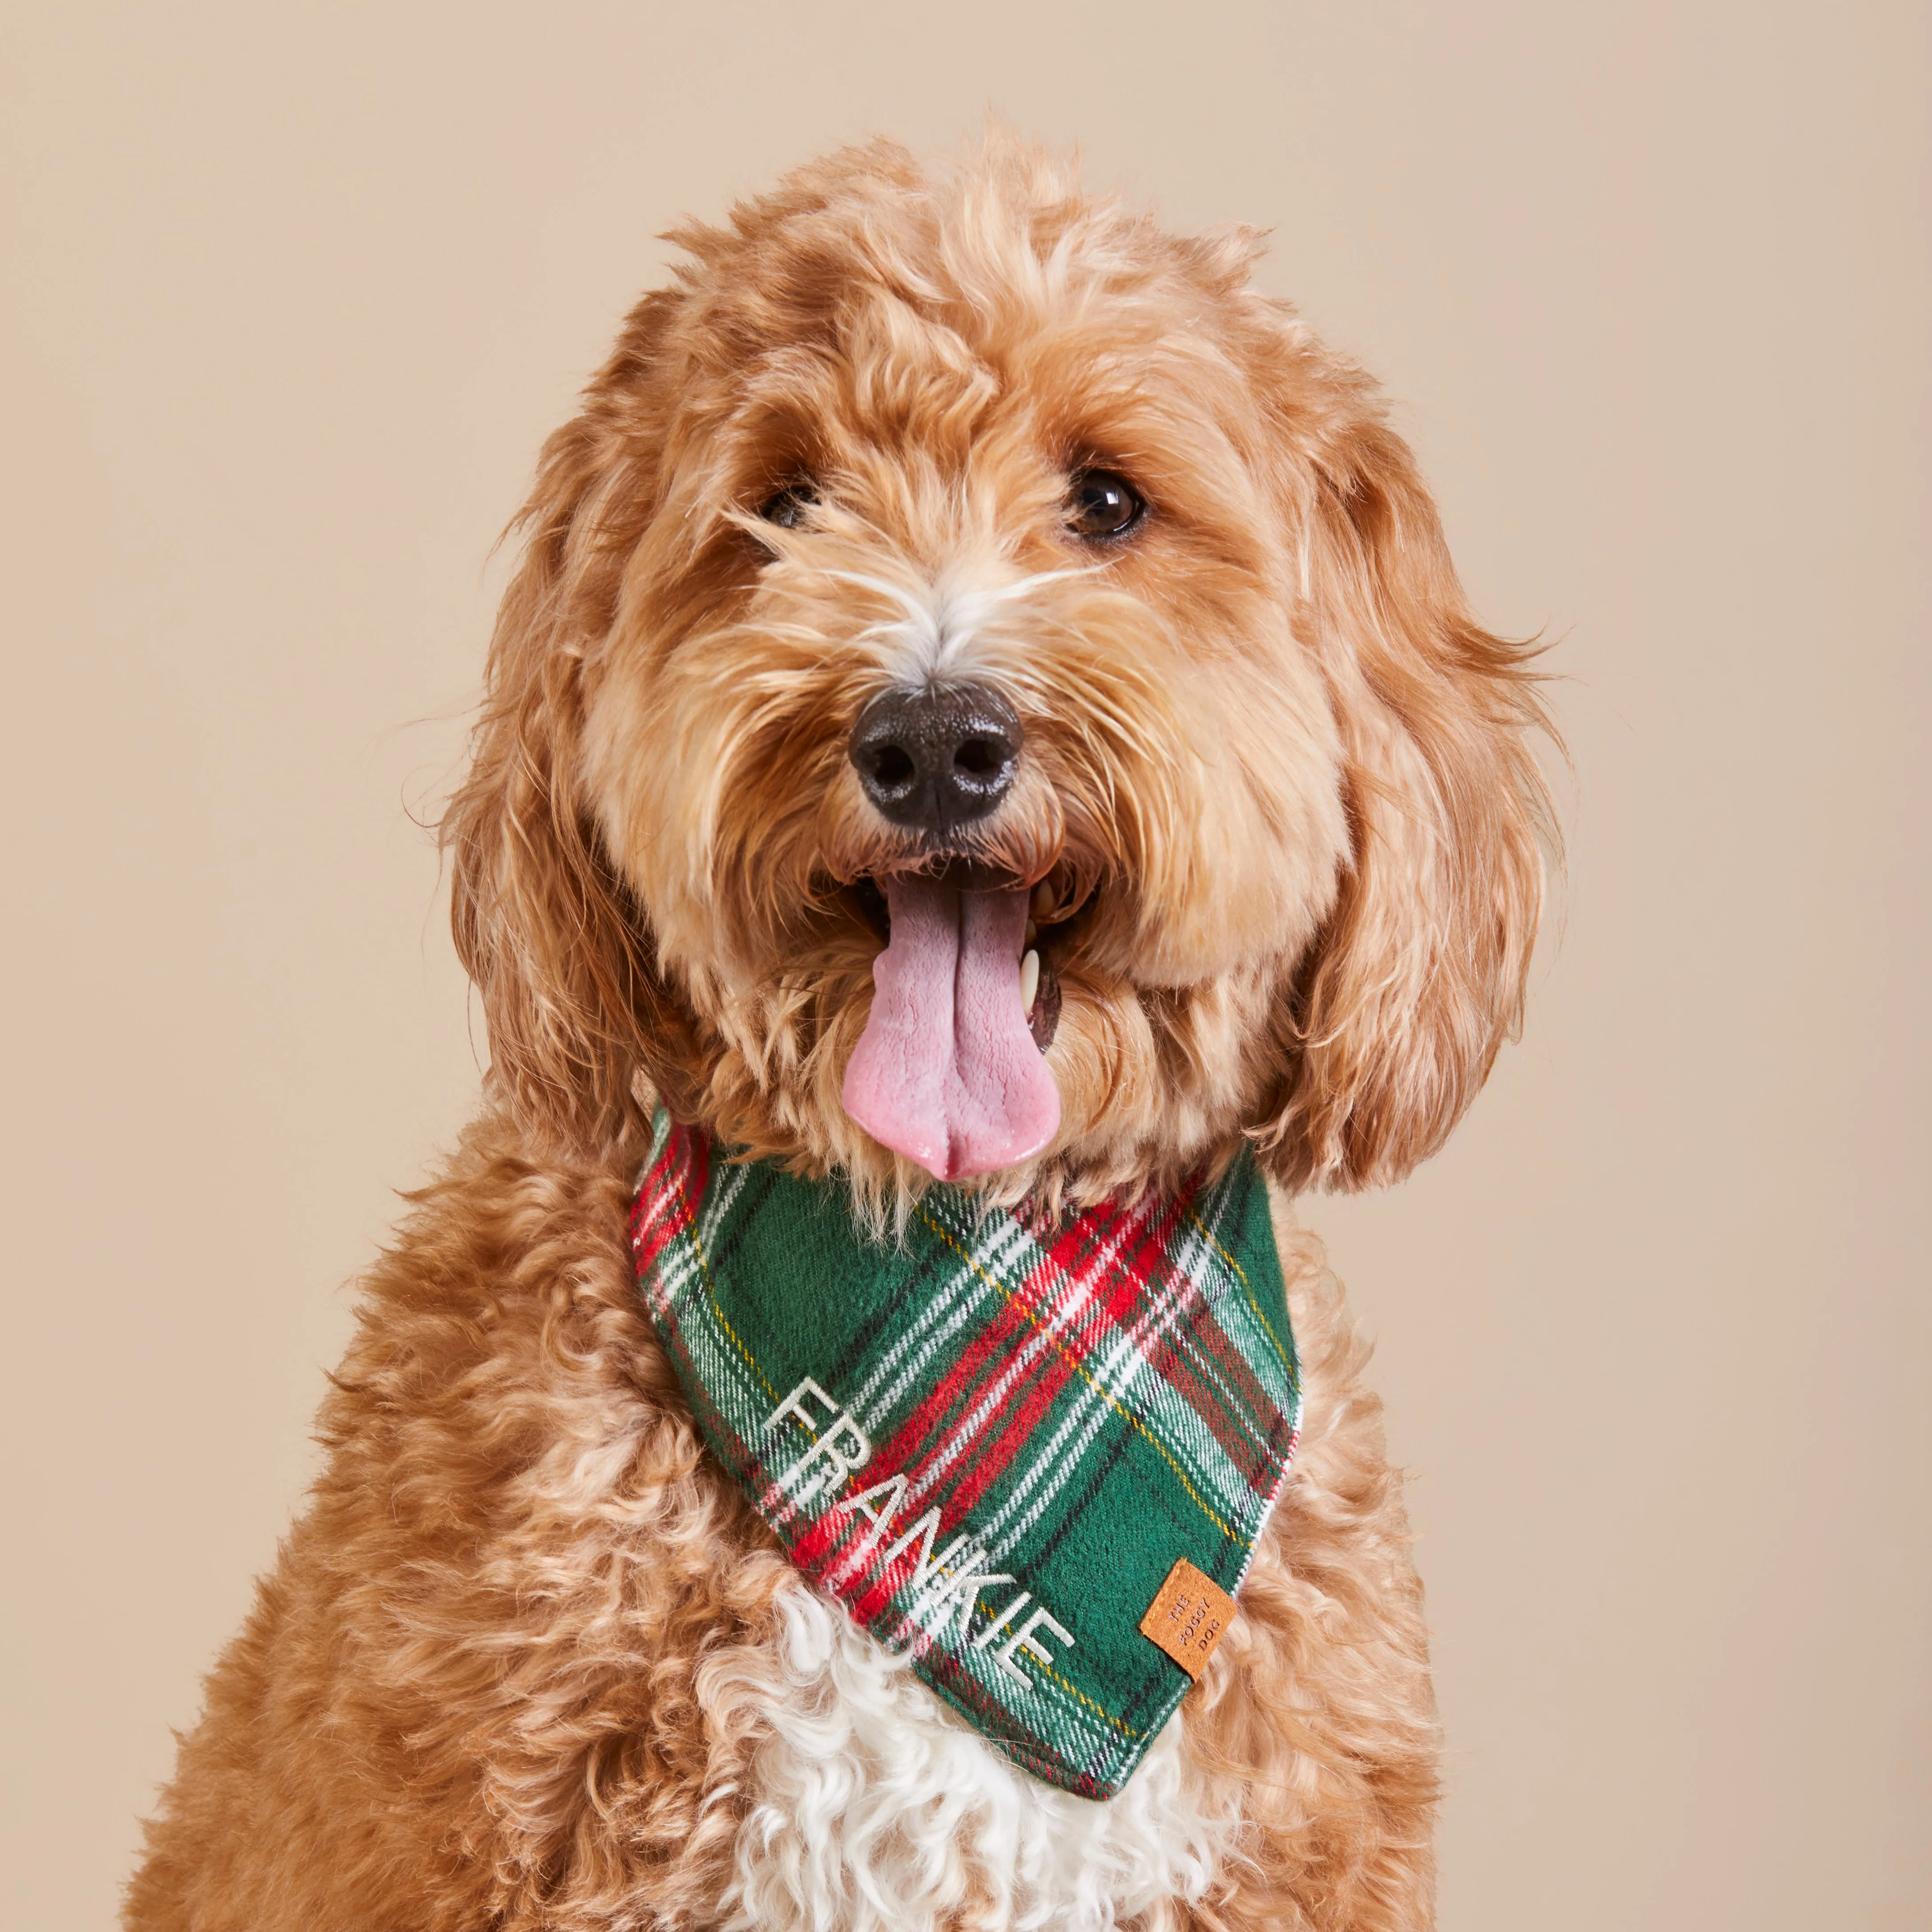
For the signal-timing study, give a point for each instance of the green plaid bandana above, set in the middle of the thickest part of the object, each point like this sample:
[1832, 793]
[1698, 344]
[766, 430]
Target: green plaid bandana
[1000, 1446]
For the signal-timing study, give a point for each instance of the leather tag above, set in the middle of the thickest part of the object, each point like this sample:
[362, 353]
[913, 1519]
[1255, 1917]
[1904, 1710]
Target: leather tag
[1189, 1618]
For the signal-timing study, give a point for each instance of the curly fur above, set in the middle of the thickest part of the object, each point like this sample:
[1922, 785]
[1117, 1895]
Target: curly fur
[875, 1807]
[529, 1660]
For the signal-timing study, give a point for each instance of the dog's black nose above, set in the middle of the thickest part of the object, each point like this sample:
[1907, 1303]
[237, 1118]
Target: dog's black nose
[932, 759]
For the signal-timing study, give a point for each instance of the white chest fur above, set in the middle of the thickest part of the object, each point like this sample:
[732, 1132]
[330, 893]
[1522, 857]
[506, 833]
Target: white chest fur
[874, 1809]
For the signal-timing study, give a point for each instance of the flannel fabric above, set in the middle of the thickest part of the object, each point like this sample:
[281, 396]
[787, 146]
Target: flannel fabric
[990, 1441]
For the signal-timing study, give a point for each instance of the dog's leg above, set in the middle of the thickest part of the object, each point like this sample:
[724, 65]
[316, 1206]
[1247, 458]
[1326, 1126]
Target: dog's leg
[288, 1809]
[465, 1698]
[1319, 1700]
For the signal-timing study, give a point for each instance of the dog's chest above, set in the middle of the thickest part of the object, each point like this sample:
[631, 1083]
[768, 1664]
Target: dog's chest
[874, 1808]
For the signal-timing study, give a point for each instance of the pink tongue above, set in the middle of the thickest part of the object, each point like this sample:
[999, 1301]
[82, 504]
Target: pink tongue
[946, 1072]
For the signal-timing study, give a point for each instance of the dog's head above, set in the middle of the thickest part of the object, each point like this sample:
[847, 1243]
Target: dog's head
[987, 694]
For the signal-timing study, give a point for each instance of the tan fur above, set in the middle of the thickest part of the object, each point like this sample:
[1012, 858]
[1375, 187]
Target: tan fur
[495, 1679]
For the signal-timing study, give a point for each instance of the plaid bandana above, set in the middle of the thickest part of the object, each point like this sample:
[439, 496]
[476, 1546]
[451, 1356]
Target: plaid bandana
[1036, 1459]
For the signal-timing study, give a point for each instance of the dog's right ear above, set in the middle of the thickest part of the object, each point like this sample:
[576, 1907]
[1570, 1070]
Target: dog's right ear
[576, 1005]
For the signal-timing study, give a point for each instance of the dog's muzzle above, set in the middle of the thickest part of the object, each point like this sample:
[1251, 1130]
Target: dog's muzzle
[934, 760]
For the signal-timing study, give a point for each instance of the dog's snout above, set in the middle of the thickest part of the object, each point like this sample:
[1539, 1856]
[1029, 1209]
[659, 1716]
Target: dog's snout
[932, 759]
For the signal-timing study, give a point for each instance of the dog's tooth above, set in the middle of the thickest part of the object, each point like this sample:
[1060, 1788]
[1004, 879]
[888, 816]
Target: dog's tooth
[1029, 981]
[1042, 899]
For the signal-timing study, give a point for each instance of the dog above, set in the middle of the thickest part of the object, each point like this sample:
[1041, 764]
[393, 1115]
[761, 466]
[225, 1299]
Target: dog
[950, 568]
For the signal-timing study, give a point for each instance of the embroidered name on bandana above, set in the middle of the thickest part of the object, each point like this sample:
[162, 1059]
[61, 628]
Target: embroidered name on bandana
[996, 1447]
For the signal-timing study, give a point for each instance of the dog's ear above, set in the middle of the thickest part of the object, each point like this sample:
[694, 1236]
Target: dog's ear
[1395, 1013]
[576, 1006]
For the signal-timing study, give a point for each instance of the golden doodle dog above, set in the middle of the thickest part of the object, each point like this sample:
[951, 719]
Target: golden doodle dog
[985, 757]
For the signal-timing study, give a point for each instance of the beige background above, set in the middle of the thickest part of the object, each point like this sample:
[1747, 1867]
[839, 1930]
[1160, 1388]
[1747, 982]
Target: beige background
[297, 292]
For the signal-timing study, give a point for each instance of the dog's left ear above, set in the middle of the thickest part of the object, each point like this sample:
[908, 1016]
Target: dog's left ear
[1395, 1015]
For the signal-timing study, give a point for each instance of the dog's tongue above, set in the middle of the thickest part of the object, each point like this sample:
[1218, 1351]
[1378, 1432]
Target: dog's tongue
[946, 1072]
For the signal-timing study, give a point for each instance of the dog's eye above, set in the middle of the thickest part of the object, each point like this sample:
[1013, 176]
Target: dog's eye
[786, 507]
[1103, 503]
